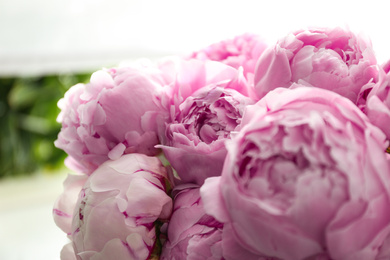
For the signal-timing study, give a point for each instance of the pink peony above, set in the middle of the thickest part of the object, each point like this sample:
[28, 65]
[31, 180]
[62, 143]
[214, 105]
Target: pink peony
[377, 106]
[65, 204]
[333, 59]
[191, 233]
[116, 113]
[205, 105]
[117, 210]
[241, 51]
[306, 177]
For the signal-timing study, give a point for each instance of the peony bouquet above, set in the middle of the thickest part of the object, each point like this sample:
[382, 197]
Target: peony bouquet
[241, 150]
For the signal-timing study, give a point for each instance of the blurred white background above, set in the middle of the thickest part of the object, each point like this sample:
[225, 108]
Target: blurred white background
[44, 36]
[55, 36]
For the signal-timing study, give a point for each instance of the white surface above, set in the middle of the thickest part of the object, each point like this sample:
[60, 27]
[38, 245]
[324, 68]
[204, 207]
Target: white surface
[44, 36]
[27, 229]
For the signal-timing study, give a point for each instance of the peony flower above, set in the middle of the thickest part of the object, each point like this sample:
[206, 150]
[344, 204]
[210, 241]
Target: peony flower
[191, 233]
[65, 204]
[116, 113]
[117, 210]
[377, 106]
[333, 59]
[241, 51]
[306, 177]
[206, 106]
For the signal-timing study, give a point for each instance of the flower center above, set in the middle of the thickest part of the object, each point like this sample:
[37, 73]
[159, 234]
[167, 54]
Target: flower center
[212, 121]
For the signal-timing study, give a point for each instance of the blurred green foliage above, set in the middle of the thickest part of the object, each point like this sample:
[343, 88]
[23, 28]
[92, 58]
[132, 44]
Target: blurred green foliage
[28, 126]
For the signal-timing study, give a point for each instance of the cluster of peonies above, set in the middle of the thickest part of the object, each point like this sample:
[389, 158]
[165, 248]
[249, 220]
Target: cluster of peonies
[237, 151]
